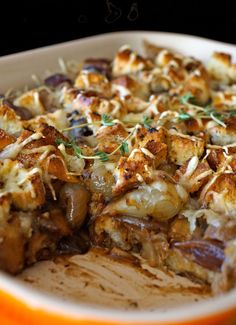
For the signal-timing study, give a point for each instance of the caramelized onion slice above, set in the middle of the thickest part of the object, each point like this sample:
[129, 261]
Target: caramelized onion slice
[75, 199]
[208, 254]
[22, 112]
[148, 224]
[56, 79]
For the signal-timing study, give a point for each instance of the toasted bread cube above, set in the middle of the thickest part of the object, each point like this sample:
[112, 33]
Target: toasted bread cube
[153, 141]
[46, 155]
[127, 61]
[9, 121]
[131, 171]
[165, 56]
[87, 80]
[110, 137]
[220, 194]
[130, 85]
[24, 185]
[5, 139]
[221, 135]
[219, 66]
[33, 101]
[198, 85]
[193, 174]
[58, 120]
[182, 148]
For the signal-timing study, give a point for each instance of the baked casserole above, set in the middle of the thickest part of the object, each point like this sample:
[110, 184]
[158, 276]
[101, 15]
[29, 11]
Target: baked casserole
[137, 154]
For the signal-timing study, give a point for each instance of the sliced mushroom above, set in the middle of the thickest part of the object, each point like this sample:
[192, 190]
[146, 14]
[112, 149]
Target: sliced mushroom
[75, 199]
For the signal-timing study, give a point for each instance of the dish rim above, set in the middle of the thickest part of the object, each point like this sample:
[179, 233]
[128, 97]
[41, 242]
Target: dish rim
[51, 303]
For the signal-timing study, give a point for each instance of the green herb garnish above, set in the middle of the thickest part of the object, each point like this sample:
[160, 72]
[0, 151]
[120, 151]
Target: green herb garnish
[184, 116]
[124, 148]
[215, 116]
[147, 122]
[102, 156]
[66, 144]
[78, 151]
[107, 120]
[187, 98]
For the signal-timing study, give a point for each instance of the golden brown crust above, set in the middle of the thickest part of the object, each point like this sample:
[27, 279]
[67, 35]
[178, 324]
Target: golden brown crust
[132, 171]
[182, 148]
[5, 139]
[109, 137]
[151, 143]
[194, 179]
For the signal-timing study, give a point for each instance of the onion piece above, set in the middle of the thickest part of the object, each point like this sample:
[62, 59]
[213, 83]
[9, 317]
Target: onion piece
[75, 199]
[208, 254]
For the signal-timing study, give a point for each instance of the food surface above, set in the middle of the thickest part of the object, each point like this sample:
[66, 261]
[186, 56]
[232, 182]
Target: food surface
[137, 153]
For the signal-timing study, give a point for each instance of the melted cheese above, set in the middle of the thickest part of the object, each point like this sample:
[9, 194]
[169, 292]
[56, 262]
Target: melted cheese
[17, 179]
[9, 121]
[211, 217]
[192, 165]
[32, 101]
[13, 149]
[74, 164]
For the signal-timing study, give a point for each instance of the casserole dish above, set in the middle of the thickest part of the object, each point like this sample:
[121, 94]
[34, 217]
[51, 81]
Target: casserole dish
[85, 295]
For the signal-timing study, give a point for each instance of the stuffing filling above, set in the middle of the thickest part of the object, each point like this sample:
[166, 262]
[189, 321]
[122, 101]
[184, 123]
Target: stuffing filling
[137, 153]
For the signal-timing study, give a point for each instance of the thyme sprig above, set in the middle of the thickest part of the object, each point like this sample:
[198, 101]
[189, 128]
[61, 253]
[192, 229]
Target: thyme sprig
[123, 147]
[81, 126]
[207, 112]
[187, 98]
[78, 151]
[184, 116]
[147, 121]
[106, 120]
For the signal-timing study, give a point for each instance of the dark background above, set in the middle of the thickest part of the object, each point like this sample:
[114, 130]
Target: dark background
[29, 24]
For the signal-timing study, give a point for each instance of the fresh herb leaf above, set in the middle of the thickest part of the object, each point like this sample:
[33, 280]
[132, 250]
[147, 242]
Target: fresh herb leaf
[102, 156]
[218, 120]
[187, 98]
[66, 144]
[184, 116]
[107, 120]
[59, 141]
[124, 148]
[147, 122]
[211, 111]
[217, 115]
[78, 151]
